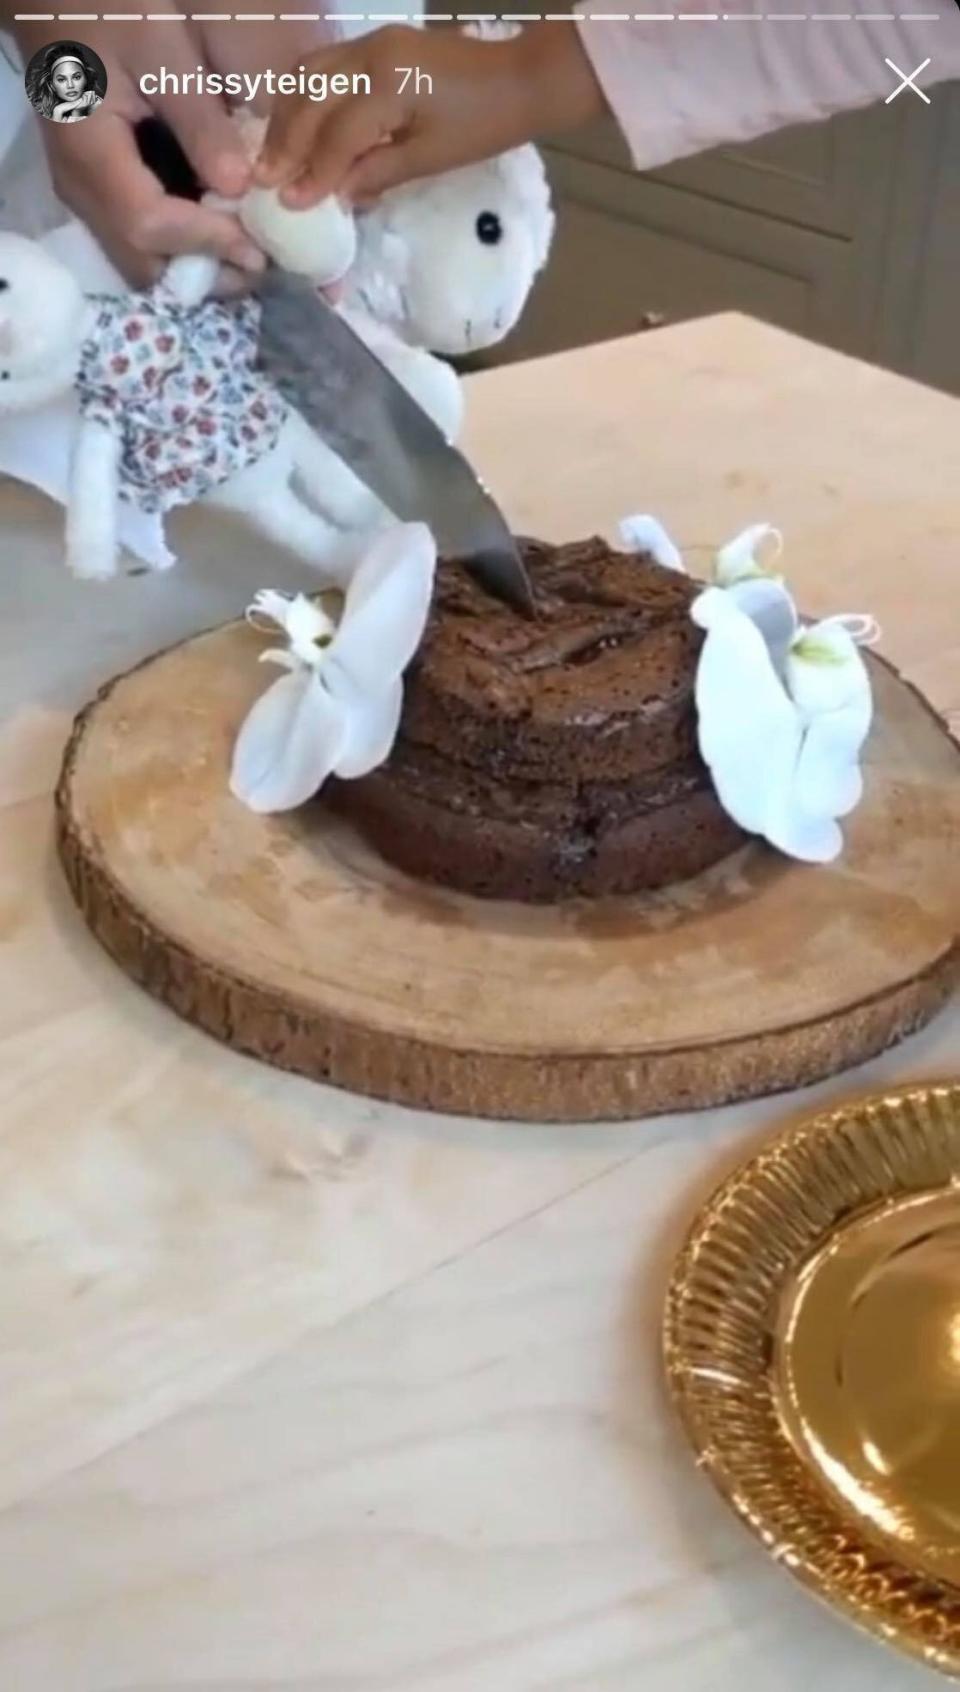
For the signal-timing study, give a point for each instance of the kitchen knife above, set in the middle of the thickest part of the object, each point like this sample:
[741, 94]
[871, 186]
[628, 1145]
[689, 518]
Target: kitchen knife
[360, 410]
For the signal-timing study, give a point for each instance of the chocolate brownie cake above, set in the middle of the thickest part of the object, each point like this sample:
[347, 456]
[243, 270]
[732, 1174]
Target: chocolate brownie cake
[537, 760]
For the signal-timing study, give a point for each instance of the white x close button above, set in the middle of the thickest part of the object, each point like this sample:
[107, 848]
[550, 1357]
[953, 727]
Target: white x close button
[907, 82]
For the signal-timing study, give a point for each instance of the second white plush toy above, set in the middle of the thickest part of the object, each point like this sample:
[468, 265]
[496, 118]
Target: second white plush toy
[158, 405]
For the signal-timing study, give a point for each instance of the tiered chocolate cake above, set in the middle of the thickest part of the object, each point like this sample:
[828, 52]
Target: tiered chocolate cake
[538, 760]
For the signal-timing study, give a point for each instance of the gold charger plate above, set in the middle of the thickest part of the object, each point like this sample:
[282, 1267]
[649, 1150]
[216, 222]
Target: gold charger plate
[813, 1351]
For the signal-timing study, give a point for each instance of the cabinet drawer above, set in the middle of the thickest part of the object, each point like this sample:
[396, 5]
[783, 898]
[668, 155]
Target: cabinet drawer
[826, 176]
[605, 274]
[627, 246]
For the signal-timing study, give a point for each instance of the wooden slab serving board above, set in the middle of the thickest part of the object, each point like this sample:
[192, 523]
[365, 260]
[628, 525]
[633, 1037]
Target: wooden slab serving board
[288, 939]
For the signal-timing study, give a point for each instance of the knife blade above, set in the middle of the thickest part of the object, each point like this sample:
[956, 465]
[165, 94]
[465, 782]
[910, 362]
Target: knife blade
[360, 410]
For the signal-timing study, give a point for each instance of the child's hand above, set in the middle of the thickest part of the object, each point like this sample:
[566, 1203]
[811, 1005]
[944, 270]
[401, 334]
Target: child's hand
[438, 99]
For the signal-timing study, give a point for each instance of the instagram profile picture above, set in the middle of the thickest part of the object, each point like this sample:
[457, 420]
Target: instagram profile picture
[66, 82]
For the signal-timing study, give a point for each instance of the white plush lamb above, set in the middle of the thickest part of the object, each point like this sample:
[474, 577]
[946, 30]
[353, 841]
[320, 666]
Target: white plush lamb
[441, 266]
[446, 264]
[140, 408]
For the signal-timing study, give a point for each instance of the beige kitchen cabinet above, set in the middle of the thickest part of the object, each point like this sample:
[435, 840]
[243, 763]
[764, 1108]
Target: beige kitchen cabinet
[846, 231]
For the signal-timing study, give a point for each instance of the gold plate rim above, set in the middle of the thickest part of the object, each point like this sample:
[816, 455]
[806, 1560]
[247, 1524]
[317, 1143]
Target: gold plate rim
[730, 1268]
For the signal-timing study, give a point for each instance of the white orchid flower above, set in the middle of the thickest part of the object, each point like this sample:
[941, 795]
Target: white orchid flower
[306, 625]
[783, 712]
[643, 533]
[337, 709]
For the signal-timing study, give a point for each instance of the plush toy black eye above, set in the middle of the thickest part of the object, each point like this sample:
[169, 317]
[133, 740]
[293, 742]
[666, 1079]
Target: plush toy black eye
[489, 229]
[3, 284]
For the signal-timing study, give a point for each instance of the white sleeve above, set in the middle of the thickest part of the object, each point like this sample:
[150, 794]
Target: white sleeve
[703, 79]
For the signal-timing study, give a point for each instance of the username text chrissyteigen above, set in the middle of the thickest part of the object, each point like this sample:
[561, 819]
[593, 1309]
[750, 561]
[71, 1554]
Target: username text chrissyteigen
[236, 85]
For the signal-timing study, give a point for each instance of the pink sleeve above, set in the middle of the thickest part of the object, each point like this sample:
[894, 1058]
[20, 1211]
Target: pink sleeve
[703, 79]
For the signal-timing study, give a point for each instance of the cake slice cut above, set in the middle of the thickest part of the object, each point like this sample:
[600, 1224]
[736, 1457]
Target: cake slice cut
[541, 760]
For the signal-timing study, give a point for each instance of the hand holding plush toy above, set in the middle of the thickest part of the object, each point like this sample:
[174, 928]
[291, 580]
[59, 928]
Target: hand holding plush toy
[447, 263]
[443, 266]
[123, 406]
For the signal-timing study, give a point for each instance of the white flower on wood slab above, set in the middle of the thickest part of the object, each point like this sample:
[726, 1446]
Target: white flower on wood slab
[336, 710]
[783, 710]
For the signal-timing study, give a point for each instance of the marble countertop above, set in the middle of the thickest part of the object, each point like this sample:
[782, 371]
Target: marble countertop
[300, 1392]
